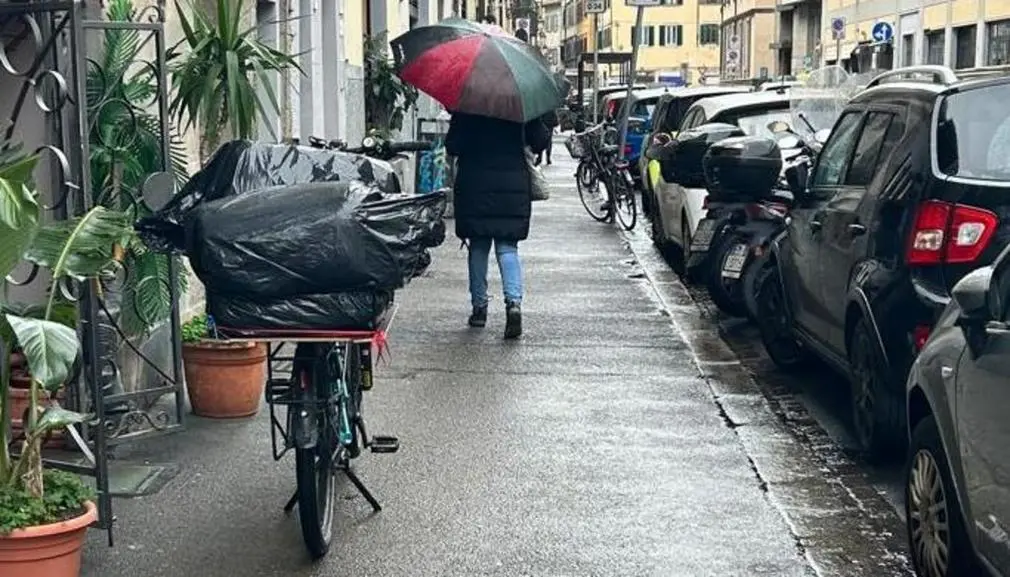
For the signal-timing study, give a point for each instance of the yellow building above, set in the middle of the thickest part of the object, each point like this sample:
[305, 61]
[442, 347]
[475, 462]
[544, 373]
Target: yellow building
[957, 33]
[678, 39]
[749, 39]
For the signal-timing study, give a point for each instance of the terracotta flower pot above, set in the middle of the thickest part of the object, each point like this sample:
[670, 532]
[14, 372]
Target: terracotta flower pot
[19, 409]
[225, 380]
[47, 551]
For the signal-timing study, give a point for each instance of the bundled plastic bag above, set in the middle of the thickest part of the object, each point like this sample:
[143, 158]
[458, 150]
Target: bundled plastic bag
[347, 311]
[316, 238]
[243, 166]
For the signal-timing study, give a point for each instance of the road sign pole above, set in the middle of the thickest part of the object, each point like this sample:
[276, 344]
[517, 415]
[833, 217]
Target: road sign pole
[596, 65]
[631, 82]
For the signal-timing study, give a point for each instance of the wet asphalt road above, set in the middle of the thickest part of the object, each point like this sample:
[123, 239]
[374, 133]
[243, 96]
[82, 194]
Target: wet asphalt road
[619, 437]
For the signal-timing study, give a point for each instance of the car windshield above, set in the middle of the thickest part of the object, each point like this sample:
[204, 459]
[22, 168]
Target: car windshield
[755, 122]
[973, 134]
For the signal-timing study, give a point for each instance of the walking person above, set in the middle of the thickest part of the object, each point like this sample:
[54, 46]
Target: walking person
[493, 204]
[551, 122]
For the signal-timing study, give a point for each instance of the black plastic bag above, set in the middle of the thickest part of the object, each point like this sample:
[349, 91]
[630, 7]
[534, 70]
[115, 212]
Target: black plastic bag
[241, 166]
[339, 311]
[316, 238]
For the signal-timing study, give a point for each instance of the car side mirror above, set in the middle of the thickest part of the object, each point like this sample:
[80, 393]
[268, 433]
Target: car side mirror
[666, 155]
[821, 136]
[972, 296]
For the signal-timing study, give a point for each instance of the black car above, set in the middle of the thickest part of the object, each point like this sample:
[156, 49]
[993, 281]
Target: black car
[910, 192]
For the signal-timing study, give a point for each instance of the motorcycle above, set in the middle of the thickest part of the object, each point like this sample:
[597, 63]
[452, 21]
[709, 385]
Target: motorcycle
[743, 228]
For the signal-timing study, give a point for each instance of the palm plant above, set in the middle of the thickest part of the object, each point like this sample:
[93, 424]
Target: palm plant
[81, 250]
[125, 139]
[213, 80]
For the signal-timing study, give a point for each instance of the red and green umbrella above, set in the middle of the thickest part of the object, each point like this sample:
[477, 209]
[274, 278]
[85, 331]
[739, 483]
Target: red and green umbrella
[477, 69]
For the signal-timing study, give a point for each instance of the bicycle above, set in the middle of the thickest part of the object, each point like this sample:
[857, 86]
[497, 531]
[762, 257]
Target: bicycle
[321, 387]
[599, 162]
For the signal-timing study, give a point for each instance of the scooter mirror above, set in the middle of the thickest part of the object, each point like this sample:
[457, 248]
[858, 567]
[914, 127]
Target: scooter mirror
[778, 126]
[788, 141]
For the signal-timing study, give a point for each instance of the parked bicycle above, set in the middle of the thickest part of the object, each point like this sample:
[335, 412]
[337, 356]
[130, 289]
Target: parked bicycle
[600, 163]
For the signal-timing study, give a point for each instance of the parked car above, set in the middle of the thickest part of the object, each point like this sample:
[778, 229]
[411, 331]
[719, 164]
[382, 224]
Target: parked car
[957, 486]
[643, 107]
[905, 198]
[666, 118]
[679, 209]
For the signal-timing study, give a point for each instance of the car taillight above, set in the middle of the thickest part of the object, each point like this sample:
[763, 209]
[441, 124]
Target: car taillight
[932, 241]
[610, 108]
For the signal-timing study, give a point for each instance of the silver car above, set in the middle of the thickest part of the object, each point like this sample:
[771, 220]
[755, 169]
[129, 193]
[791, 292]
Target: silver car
[957, 483]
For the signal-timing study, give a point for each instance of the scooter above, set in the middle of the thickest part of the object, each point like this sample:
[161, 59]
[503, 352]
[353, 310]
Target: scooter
[743, 229]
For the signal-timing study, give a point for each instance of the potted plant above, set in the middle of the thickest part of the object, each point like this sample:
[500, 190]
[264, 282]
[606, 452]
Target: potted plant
[44, 514]
[224, 379]
[214, 72]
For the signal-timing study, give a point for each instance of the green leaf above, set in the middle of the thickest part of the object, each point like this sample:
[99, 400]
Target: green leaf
[49, 347]
[20, 171]
[13, 243]
[57, 418]
[82, 247]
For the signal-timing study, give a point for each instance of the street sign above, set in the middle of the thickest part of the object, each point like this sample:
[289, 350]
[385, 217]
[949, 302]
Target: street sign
[838, 28]
[882, 32]
[642, 3]
[596, 6]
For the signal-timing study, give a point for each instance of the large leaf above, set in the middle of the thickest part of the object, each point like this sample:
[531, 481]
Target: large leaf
[50, 349]
[81, 247]
[55, 419]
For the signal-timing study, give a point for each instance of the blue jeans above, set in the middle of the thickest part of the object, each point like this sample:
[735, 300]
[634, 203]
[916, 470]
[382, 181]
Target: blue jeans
[507, 253]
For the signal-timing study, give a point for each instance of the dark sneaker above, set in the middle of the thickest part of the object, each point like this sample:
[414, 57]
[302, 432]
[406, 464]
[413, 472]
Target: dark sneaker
[478, 318]
[513, 321]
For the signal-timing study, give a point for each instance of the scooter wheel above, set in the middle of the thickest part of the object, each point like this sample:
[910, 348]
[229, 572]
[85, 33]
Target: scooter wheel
[726, 293]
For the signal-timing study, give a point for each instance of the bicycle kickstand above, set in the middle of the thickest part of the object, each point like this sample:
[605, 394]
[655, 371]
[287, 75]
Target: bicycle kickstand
[356, 481]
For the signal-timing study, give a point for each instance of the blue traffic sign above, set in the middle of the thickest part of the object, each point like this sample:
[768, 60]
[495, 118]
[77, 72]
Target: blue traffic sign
[882, 32]
[838, 24]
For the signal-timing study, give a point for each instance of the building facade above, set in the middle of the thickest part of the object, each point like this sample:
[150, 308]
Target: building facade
[957, 33]
[749, 39]
[798, 32]
[678, 42]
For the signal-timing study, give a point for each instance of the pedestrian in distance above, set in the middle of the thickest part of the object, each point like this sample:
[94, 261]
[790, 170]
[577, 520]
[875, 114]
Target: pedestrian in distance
[551, 122]
[493, 204]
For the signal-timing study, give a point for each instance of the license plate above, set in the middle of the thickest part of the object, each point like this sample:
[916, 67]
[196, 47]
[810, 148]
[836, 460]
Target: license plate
[703, 236]
[733, 265]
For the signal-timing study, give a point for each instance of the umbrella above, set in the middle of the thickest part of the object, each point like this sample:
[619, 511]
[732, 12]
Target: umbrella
[477, 69]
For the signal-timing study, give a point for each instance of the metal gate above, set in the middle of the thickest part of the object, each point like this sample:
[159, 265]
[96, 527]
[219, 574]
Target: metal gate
[88, 90]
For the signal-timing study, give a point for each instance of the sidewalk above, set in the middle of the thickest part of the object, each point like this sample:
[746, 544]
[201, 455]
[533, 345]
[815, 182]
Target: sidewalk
[591, 447]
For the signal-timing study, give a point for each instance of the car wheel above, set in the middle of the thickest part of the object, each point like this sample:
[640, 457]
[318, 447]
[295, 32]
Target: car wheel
[658, 233]
[878, 415]
[679, 256]
[774, 322]
[934, 518]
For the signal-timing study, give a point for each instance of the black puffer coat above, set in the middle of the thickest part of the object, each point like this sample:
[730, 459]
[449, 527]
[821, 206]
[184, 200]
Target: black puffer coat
[492, 187]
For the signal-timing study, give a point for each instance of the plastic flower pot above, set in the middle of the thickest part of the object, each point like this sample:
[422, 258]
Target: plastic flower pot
[49, 550]
[225, 380]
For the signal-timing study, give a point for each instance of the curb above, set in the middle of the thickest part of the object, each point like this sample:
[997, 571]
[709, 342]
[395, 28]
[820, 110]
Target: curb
[853, 531]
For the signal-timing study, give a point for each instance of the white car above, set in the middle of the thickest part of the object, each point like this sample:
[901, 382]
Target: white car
[679, 209]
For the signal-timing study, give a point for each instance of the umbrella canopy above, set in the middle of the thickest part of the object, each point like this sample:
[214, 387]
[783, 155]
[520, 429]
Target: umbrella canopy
[477, 69]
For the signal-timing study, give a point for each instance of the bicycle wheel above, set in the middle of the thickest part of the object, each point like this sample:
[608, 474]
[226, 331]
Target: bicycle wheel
[314, 466]
[624, 200]
[592, 195]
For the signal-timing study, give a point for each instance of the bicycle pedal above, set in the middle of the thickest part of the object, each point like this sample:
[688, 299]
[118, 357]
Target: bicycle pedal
[384, 445]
